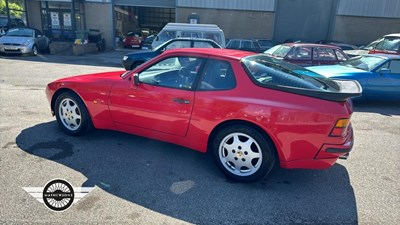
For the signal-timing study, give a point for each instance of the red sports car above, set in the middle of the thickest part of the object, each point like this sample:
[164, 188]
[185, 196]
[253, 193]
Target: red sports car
[250, 110]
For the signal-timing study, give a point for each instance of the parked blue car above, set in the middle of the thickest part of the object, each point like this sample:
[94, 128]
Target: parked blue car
[134, 59]
[378, 74]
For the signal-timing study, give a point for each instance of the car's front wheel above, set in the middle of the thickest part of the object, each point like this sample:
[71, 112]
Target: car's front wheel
[243, 153]
[34, 50]
[72, 115]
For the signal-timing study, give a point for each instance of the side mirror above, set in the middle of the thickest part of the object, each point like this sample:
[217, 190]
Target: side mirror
[384, 71]
[136, 79]
[156, 38]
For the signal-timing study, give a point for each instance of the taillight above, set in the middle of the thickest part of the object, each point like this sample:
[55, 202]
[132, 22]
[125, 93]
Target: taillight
[340, 128]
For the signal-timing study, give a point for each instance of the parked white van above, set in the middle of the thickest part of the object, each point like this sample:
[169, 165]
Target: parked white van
[177, 30]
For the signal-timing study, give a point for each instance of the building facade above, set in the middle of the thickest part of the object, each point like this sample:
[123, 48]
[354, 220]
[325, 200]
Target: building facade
[353, 21]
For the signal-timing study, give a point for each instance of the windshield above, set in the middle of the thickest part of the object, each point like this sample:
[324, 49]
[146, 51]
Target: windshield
[278, 51]
[20, 32]
[270, 71]
[366, 62]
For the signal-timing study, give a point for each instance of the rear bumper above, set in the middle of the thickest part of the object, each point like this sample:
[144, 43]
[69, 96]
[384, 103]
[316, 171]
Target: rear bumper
[326, 156]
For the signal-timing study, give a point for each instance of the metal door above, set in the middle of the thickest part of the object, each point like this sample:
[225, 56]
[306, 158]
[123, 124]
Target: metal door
[304, 19]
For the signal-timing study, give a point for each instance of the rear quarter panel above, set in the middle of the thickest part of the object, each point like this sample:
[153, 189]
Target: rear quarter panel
[297, 125]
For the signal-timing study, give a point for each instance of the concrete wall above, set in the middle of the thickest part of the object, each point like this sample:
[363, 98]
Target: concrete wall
[363, 30]
[99, 16]
[34, 14]
[234, 23]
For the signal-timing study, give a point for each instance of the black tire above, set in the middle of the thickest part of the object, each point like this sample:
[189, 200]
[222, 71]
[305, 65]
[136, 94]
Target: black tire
[34, 50]
[234, 158]
[136, 64]
[72, 115]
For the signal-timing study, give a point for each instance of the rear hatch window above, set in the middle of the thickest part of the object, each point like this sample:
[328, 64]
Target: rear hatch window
[278, 74]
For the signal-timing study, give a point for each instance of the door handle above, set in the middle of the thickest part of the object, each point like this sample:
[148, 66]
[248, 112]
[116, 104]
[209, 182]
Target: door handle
[181, 101]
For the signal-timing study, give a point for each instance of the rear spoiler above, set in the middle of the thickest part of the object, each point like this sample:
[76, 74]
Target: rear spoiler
[348, 89]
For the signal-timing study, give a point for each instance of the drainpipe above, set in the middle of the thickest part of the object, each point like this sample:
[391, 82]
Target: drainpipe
[8, 11]
[113, 25]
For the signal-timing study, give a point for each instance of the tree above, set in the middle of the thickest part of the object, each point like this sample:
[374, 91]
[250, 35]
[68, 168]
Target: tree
[16, 7]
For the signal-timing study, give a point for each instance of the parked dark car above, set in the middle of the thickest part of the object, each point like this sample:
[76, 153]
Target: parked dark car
[148, 41]
[265, 44]
[6, 24]
[342, 45]
[244, 45]
[134, 59]
[308, 54]
[297, 40]
[23, 40]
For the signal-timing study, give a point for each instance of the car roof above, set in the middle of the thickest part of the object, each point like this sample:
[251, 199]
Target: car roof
[393, 35]
[227, 53]
[310, 45]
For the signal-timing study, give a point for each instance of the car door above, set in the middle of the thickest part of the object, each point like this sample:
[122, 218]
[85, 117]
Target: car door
[324, 56]
[300, 55]
[40, 40]
[386, 82]
[163, 99]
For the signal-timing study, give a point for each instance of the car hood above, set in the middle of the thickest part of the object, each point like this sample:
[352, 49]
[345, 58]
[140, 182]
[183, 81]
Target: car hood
[14, 40]
[334, 70]
[88, 82]
[357, 52]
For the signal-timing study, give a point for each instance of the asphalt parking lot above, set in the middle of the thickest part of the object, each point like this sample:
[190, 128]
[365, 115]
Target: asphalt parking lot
[141, 181]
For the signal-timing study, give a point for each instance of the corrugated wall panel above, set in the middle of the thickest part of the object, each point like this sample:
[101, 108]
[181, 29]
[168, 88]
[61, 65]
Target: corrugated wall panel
[153, 3]
[256, 5]
[370, 8]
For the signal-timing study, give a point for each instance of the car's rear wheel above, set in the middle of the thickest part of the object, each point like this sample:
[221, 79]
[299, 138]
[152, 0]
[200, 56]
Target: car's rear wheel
[72, 115]
[243, 153]
[34, 50]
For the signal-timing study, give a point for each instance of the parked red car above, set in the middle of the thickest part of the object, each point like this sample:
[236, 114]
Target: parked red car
[134, 39]
[305, 54]
[250, 110]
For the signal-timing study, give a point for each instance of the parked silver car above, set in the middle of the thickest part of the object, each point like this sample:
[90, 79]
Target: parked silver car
[23, 41]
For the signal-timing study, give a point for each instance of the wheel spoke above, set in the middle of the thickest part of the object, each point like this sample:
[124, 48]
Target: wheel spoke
[70, 114]
[240, 154]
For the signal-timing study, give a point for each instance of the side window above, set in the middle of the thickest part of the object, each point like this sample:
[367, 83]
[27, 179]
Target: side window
[233, 44]
[395, 66]
[324, 54]
[218, 75]
[302, 53]
[37, 33]
[178, 44]
[190, 34]
[166, 35]
[213, 36]
[246, 44]
[340, 55]
[174, 72]
[198, 44]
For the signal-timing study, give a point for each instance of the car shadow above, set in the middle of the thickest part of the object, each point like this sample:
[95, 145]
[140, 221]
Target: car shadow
[187, 185]
[387, 108]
